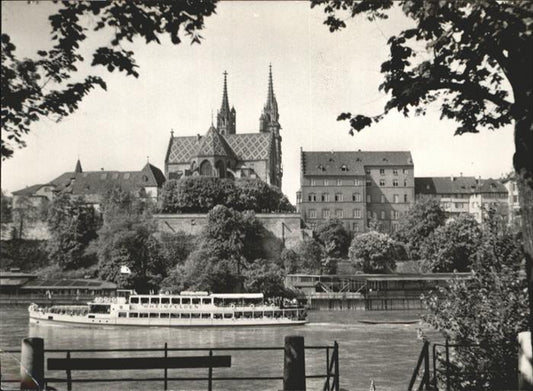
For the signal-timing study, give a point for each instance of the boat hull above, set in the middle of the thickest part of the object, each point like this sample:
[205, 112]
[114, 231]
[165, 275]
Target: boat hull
[49, 318]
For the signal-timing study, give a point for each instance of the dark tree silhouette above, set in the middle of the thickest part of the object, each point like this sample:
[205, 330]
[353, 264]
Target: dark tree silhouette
[474, 48]
[44, 87]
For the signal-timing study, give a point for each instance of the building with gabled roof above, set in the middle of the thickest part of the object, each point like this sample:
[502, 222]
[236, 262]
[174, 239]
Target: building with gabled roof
[221, 152]
[465, 194]
[355, 187]
[92, 185]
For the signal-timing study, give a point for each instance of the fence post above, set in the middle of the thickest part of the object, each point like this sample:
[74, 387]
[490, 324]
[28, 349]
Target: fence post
[166, 370]
[326, 386]
[69, 375]
[447, 365]
[32, 364]
[294, 364]
[337, 375]
[210, 381]
[427, 380]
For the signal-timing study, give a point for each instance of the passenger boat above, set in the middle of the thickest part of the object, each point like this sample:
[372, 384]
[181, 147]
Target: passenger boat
[184, 310]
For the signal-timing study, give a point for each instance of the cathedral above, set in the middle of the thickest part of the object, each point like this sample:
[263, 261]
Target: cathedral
[221, 152]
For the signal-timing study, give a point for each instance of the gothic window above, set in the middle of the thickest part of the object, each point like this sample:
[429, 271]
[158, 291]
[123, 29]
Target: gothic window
[206, 169]
[356, 197]
[382, 182]
[357, 213]
[221, 170]
[381, 171]
[325, 197]
[312, 214]
[395, 182]
[405, 198]
[325, 213]
[396, 198]
[338, 197]
[338, 213]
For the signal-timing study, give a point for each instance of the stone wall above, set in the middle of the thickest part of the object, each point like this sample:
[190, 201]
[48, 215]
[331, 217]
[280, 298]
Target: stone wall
[280, 229]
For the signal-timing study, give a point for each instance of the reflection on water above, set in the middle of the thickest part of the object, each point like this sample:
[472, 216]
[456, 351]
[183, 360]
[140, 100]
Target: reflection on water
[385, 353]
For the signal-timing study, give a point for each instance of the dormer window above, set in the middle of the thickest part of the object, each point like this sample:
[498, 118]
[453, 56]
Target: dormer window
[344, 168]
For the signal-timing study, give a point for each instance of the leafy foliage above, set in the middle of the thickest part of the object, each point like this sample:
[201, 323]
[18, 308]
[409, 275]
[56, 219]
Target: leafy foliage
[72, 225]
[424, 217]
[127, 238]
[307, 257]
[472, 47]
[43, 87]
[266, 277]
[201, 194]
[487, 310]
[24, 213]
[6, 211]
[28, 255]
[334, 237]
[374, 252]
[451, 246]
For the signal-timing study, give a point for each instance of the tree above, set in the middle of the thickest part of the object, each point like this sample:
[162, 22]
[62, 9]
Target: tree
[424, 217]
[72, 225]
[334, 237]
[24, 213]
[44, 87]
[201, 194]
[6, 208]
[475, 49]
[265, 277]
[127, 238]
[452, 246]
[373, 252]
[306, 257]
[488, 310]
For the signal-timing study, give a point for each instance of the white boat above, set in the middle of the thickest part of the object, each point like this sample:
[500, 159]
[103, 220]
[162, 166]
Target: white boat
[188, 309]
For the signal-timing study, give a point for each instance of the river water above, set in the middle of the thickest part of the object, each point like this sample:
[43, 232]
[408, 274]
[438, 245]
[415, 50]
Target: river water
[384, 353]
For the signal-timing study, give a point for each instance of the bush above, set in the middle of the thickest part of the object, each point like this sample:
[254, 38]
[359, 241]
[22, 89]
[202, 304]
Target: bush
[374, 252]
[201, 194]
[28, 255]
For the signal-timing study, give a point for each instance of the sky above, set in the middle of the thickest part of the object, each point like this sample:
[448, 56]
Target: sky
[317, 75]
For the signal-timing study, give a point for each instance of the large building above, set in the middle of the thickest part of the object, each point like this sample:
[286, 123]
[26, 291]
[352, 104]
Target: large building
[356, 187]
[92, 185]
[461, 194]
[221, 152]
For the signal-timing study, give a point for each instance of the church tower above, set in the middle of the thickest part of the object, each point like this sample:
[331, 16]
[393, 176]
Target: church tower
[225, 116]
[269, 123]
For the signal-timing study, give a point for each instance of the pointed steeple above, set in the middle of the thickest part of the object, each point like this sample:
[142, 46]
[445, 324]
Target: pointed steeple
[270, 116]
[226, 116]
[78, 169]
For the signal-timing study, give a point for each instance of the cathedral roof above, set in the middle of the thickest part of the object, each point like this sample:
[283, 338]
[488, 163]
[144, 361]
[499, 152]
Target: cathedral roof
[213, 144]
[243, 146]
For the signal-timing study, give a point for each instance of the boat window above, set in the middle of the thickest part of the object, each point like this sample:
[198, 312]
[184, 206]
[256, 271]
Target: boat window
[206, 301]
[258, 314]
[185, 300]
[134, 315]
[145, 300]
[228, 315]
[206, 315]
[196, 300]
[175, 300]
[154, 300]
[269, 314]
[165, 300]
[143, 315]
[219, 302]
[238, 315]
[195, 315]
[247, 315]
[134, 300]
[185, 316]
[278, 314]
[217, 316]
[100, 308]
[175, 314]
[122, 315]
[154, 315]
[164, 315]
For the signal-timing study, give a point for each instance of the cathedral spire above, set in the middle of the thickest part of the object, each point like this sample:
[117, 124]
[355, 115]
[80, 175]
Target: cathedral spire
[78, 169]
[226, 116]
[271, 98]
[270, 116]
[225, 100]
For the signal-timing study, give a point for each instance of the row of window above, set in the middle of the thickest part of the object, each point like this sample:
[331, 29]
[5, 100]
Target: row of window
[356, 214]
[382, 171]
[356, 197]
[337, 182]
[354, 182]
[209, 315]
